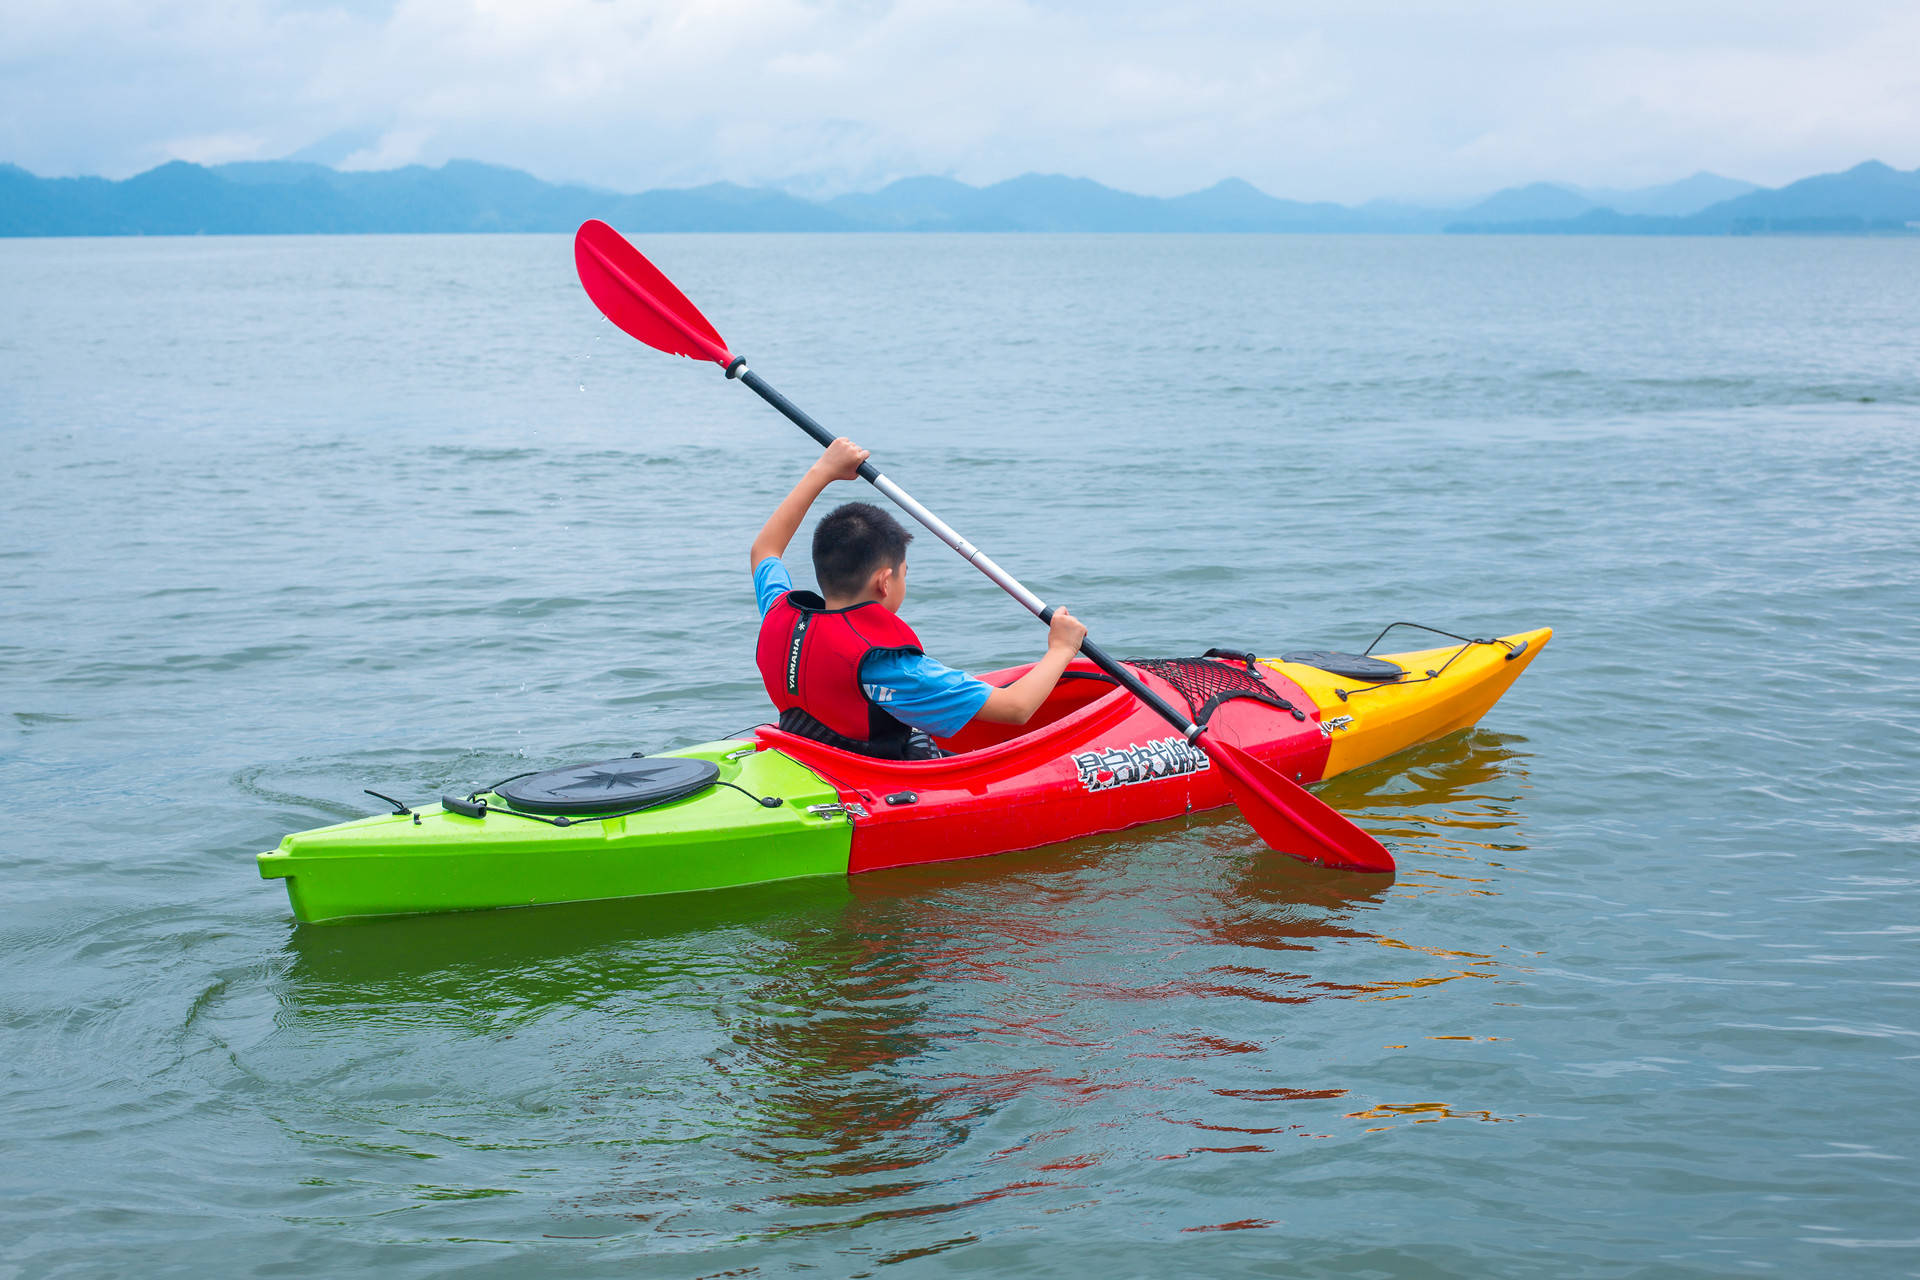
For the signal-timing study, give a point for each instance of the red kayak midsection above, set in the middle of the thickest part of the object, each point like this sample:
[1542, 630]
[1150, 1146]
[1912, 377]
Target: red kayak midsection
[1093, 759]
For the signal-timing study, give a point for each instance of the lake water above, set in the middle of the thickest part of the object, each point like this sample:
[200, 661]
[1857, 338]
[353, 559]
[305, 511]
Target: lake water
[285, 518]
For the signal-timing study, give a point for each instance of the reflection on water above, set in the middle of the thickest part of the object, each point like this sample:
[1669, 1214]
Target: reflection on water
[508, 963]
[1465, 779]
[1455, 801]
[1424, 1113]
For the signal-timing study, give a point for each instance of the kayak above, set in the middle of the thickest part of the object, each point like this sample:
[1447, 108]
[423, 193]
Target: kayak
[774, 806]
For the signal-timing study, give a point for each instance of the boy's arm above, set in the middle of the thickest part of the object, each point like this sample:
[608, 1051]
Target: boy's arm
[841, 461]
[1016, 703]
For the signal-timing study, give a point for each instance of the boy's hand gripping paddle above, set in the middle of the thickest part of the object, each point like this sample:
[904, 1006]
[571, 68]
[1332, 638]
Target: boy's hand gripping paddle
[633, 294]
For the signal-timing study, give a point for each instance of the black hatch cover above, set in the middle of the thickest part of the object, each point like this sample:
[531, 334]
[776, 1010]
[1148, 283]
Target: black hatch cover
[631, 782]
[1354, 666]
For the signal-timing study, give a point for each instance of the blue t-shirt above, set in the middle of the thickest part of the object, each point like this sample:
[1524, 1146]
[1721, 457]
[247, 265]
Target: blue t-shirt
[910, 687]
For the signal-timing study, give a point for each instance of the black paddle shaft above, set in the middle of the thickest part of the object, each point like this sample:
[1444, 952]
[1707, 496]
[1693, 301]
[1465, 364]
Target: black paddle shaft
[972, 554]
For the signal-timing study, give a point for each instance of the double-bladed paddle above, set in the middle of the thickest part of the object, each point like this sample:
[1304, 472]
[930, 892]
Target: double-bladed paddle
[632, 292]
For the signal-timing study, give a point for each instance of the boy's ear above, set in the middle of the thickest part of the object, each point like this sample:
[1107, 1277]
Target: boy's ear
[885, 580]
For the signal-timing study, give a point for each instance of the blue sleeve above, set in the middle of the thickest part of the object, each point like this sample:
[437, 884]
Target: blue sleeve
[918, 691]
[770, 581]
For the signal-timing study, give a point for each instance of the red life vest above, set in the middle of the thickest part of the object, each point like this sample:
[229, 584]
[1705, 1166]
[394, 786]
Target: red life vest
[809, 658]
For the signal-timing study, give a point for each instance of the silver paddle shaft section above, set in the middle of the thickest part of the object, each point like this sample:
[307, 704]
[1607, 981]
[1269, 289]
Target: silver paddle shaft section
[898, 496]
[974, 556]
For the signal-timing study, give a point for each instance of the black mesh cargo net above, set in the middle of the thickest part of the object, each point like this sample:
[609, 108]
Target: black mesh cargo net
[1207, 682]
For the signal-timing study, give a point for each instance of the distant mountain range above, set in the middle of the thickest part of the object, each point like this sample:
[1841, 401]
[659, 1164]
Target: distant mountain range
[1867, 198]
[276, 197]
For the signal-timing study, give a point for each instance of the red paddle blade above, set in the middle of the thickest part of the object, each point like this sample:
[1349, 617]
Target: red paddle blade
[631, 292]
[1292, 819]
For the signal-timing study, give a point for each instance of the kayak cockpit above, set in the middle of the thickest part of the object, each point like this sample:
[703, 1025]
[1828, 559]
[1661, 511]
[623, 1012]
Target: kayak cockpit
[1081, 685]
[1084, 698]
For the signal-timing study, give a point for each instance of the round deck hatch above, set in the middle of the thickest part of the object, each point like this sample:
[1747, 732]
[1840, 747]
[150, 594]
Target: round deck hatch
[608, 786]
[1353, 666]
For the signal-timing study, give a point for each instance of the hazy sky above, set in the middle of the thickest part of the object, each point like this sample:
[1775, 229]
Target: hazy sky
[1341, 99]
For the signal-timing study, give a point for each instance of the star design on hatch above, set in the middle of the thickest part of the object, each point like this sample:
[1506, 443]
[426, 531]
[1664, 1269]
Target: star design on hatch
[609, 780]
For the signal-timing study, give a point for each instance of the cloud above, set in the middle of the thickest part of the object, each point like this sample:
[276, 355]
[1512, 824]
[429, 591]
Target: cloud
[214, 148]
[390, 150]
[1321, 100]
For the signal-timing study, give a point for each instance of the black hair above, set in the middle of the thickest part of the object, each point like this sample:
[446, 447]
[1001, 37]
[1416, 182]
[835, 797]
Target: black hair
[851, 543]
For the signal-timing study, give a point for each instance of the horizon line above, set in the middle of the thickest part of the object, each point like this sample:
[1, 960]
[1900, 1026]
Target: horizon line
[777, 187]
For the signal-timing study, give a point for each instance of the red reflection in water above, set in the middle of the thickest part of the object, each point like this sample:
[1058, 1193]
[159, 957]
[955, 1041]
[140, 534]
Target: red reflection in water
[827, 1072]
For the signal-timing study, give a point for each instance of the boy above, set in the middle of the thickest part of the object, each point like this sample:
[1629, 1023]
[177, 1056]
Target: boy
[840, 666]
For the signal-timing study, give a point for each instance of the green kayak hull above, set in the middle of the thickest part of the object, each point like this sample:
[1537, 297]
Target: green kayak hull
[434, 860]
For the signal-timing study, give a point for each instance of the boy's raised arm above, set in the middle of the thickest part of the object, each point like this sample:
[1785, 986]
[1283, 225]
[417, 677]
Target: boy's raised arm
[841, 461]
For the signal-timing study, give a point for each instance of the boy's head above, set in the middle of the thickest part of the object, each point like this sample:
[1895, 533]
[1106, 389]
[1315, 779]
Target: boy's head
[852, 544]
